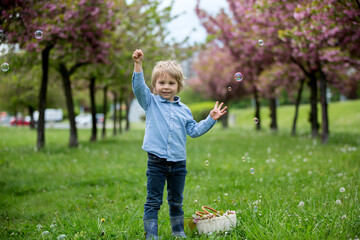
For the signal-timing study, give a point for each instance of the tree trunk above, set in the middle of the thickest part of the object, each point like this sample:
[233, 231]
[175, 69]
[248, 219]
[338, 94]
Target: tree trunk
[127, 103]
[257, 109]
[114, 112]
[298, 98]
[313, 117]
[103, 135]
[31, 114]
[120, 114]
[324, 109]
[225, 119]
[358, 3]
[65, 74]
[93, 137]
[42, 97]
[272, 106]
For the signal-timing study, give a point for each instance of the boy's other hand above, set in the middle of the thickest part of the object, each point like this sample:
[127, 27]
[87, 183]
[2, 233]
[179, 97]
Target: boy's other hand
[138, 56]
[217, 112]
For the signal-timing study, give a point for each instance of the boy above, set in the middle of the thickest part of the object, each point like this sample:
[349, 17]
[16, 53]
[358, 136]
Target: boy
[168, 121]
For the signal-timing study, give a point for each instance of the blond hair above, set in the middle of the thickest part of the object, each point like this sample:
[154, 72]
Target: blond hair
[170, 68]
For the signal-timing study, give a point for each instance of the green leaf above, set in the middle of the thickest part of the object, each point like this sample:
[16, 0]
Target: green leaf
[190, 223]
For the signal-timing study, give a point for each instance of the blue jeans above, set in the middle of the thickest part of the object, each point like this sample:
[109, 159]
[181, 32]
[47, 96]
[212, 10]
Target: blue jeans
[158, 171]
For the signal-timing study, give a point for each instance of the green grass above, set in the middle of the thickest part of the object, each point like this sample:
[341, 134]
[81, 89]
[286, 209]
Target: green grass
[67, 190]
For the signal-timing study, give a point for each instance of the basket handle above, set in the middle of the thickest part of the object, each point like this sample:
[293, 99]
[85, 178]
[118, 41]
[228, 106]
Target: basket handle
[206, 207]
[201, 214]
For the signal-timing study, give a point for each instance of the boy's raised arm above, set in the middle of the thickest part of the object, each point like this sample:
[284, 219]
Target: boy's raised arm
[140, 89]
[138, 57]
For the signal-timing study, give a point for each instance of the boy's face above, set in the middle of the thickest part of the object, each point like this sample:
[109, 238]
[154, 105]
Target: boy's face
[166, 87]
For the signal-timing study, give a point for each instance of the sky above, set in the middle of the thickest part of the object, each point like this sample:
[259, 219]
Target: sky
[183, 25]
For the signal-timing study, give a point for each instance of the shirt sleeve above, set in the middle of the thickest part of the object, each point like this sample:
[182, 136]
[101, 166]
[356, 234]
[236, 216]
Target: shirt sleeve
[194, 129]
[141, 90]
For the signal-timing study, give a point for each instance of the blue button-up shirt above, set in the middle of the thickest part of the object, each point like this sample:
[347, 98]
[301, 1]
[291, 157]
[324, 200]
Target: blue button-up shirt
[167, 123]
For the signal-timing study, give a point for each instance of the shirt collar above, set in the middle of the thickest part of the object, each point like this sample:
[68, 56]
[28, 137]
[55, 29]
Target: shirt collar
[176, 99]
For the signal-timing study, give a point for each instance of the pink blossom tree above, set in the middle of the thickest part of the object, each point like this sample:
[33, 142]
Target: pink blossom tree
[276, 79]
[311, 34]
[325, 33]
[216, 82]
[75, 30]
[233, 31]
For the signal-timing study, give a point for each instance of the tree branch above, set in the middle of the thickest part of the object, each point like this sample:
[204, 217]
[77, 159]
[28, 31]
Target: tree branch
[76, 66]
[300, 65]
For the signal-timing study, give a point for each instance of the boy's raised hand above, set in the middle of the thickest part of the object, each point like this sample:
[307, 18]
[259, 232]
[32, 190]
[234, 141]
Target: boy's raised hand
[217, 112]
[138, 56]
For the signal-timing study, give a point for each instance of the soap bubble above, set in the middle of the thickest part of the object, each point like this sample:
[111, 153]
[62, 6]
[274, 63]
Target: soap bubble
[38, 34]
[5, 67]
[256, 121]
[238, 76]
[252, 170]
[229, 89]
[206, 163]
[243, 159]
[255, 208]
[261, 42]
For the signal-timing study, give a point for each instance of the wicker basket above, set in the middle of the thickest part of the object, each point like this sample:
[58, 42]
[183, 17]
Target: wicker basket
[215, 221]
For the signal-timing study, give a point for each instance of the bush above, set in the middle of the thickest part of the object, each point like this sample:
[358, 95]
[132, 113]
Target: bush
[189, 96]
[201, 110]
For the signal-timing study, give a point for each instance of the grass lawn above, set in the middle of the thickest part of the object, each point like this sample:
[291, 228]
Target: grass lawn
[296, 191]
